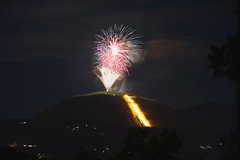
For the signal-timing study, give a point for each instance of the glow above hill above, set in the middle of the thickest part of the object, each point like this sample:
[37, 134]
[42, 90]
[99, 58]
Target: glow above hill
[136, 111]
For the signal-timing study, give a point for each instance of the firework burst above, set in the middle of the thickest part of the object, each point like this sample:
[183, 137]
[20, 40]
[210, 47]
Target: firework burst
[115, 51]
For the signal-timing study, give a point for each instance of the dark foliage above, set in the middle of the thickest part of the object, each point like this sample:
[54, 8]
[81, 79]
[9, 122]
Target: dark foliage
[225, 59]
[82, 154]
[9, 153]
[228, 146]
[135, 144]
[165, 146]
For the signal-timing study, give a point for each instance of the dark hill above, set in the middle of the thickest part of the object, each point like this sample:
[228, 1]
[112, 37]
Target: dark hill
[218, 117]
[100, 121]
[110, 107]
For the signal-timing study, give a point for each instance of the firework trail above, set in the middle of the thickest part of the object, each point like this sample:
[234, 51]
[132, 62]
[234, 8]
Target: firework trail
[115, 50]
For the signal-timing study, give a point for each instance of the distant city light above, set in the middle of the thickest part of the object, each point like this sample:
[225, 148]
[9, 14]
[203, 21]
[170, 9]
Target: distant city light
[11, 145]
[205, 147]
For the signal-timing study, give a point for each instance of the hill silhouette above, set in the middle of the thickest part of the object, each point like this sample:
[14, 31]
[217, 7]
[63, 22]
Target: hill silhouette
[218, 117]
[110, 107]
[99, 121]
[112, 113]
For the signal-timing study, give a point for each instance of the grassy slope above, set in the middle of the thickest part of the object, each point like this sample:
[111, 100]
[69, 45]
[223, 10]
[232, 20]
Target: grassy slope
[103, 106]
[116, 94]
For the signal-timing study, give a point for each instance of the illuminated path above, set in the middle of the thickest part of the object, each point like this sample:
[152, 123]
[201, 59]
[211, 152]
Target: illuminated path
[136, 111]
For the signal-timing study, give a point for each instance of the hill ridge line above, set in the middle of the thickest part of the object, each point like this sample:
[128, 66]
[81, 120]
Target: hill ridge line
[114, 93]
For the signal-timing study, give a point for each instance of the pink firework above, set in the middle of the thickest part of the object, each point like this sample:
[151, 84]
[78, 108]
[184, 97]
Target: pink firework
[116, 50]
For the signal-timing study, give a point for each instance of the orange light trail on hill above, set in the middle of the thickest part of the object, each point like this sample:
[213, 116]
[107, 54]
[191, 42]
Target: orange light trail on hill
[136, 111]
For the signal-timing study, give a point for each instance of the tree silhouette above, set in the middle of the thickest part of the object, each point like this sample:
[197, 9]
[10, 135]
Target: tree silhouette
[225, 62]
[82, 154]
[228, 146]
[165, 146]
[10, 153]
[135, 144]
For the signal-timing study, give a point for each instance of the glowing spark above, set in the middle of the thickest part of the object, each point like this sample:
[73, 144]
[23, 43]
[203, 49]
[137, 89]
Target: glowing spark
[108, 77]
[136, 111]
[115, 51]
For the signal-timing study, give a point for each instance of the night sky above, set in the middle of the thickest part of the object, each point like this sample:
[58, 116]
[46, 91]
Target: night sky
[46, 50]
